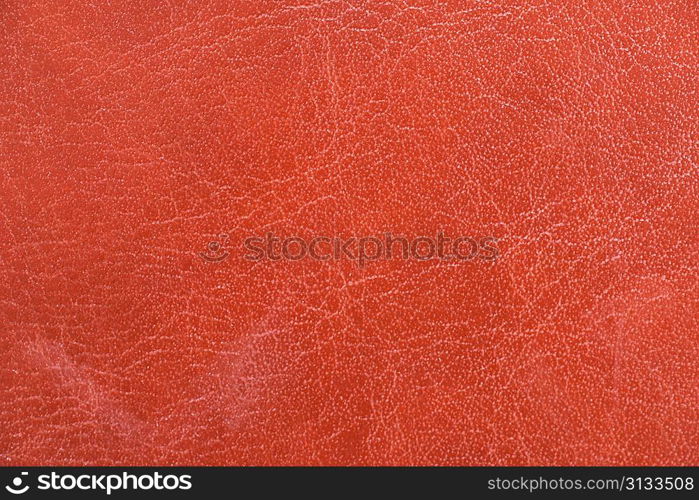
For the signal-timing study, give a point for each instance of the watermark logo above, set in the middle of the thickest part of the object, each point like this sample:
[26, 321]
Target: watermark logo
[215, 250]
[365, 249]
[359, 249]
[105, 483]
[16, 487]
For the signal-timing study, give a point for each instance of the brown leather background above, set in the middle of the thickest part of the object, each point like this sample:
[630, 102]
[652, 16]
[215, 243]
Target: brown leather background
[134, 133]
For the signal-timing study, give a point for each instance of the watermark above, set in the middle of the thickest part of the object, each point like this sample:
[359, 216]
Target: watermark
[366, 249]
[18, 487]
[106, 483]
[215, 250]
[359, 249]
[618, 484]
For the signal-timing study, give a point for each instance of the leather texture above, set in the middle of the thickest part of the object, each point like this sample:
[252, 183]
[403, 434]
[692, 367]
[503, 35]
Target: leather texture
[133, 134]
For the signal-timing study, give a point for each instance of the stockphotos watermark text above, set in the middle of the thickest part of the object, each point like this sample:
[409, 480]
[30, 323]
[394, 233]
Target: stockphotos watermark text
[360, 249]
[106, 483]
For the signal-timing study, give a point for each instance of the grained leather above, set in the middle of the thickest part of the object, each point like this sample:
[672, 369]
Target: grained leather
[135, 133]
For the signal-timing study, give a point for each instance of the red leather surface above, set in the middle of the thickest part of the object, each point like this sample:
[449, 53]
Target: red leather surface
[134, 133]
